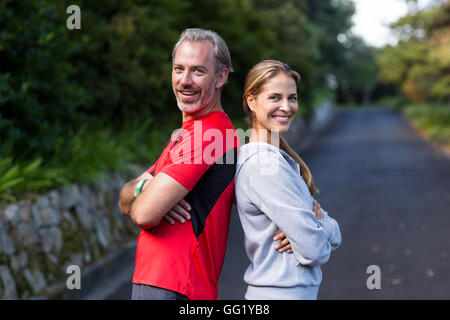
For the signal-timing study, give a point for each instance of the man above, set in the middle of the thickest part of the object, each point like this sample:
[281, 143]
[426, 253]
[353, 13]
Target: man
[191, 182]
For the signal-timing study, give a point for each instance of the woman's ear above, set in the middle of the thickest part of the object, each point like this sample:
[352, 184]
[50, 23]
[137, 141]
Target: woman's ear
[251, 102]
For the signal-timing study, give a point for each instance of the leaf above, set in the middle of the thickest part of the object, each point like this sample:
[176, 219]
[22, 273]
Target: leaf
[11, 183]
[8, 197]
[4, 163]
[39, 184]
[10, 174]
[33, 166]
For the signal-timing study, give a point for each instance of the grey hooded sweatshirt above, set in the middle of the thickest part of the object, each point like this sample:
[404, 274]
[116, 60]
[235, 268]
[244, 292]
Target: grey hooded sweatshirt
[271, 197]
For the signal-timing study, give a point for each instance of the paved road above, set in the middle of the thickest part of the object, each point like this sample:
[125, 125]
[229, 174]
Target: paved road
[390, 192]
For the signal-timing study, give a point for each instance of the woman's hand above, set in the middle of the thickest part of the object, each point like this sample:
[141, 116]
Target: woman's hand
[317, 210]
[284, 244]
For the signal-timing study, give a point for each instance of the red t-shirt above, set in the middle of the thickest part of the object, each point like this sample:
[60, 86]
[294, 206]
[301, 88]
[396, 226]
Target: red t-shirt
[188, 258]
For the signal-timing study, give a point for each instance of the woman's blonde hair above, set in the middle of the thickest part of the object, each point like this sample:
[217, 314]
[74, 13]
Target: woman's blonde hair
[256, 78]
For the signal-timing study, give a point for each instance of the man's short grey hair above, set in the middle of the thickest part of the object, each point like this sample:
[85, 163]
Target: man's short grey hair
[221, 52]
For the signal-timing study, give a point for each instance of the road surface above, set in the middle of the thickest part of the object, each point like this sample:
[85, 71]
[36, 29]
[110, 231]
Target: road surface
[389, 190]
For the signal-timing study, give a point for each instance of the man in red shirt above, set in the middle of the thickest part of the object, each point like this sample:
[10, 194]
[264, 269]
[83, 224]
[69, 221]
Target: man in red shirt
[192, 182]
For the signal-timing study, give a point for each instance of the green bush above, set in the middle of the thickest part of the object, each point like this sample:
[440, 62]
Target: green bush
[82, 156]
[71, 100]
[25, 177]
[395, 102]
[433, 119]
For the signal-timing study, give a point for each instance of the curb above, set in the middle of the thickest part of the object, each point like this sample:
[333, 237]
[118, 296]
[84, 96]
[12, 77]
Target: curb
[438, 147]
[111, 271]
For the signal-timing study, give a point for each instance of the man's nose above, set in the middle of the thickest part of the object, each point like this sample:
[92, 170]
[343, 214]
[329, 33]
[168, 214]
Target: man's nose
[186, 79]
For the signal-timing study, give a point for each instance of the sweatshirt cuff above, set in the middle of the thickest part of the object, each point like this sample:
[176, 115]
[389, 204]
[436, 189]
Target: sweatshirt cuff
[332, 229]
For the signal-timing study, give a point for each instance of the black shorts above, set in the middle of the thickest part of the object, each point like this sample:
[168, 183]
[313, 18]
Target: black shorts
[146, 292]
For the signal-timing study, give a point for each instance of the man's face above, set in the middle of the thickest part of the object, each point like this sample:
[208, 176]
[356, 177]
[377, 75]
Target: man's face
[194, 76]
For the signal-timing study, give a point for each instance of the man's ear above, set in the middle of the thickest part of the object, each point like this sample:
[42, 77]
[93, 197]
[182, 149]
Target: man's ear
[222, 78]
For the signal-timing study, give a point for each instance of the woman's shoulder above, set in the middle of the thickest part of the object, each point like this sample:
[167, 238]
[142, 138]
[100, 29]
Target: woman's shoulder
[253, 150]
[263, 157]
[265, 150]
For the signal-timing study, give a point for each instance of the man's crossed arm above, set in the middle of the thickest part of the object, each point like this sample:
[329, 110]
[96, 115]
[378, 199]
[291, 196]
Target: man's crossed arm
[161, 197]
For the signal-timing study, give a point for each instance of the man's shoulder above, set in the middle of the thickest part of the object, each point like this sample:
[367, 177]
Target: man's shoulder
[220, 131]
[218, 120]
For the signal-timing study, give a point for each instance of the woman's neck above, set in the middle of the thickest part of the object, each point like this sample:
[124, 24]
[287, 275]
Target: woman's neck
[265, 135]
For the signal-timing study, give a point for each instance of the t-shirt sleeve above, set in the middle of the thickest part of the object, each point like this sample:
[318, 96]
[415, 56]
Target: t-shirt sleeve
[151, 170]
[189, 160]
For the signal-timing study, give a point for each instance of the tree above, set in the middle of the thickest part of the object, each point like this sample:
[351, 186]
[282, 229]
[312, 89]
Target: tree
[420, 62]
[358, 72]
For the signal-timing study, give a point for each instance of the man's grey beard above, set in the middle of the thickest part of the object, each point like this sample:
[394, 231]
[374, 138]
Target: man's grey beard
[199, 104]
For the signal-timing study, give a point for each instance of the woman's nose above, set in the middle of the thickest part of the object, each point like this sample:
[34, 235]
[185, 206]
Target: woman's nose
[284, 106]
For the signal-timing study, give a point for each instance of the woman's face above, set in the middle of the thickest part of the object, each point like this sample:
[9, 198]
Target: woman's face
[276, 104]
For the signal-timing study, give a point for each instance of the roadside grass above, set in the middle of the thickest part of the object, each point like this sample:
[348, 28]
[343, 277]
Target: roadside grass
[81, 157]
[432, 119]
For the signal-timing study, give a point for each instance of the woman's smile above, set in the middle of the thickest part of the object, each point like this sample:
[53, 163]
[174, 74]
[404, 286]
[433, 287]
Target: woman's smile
[282, 119]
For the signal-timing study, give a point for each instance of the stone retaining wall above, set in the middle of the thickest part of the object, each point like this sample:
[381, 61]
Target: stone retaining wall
[40, 238]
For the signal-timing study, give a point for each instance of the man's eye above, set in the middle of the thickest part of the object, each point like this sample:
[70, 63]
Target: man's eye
[178, 69]
[273, 98]
[293, 98]
[199, 70]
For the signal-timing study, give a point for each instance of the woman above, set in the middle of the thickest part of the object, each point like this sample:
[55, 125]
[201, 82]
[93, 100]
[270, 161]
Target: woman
[274, 190]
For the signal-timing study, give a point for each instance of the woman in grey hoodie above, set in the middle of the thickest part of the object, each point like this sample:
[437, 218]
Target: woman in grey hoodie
[274, 193]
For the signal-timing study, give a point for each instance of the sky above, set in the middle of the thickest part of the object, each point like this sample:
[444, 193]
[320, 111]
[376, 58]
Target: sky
[372, 19]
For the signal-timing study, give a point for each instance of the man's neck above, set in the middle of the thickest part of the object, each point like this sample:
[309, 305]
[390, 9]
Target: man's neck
[214, 106]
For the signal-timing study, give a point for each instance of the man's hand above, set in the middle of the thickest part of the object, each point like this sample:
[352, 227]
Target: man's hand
[179, 212]
[128, 193]
[156, 200]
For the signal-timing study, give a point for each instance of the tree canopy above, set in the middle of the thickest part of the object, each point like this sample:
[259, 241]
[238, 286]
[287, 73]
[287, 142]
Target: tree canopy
[116, 68]
[420, 63]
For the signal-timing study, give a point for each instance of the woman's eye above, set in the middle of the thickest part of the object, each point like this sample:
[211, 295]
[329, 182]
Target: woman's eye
[273, 98]
[293, 98]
